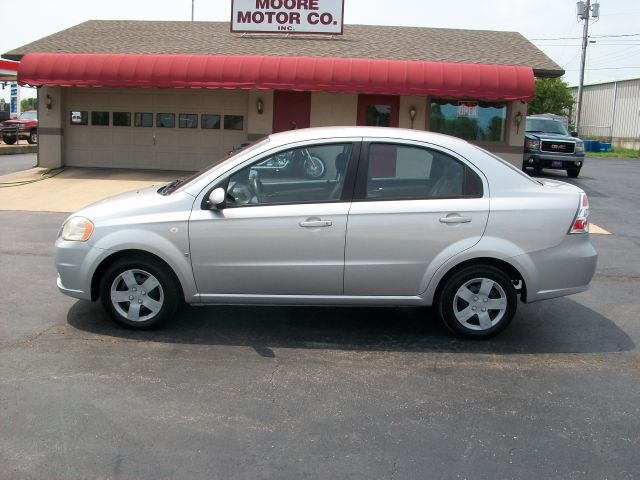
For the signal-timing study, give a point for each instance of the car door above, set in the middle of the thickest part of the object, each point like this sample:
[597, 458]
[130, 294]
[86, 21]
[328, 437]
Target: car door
[282, 230]
[414, 207]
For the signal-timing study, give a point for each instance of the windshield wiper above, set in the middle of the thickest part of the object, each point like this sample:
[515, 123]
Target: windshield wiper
[170, 187]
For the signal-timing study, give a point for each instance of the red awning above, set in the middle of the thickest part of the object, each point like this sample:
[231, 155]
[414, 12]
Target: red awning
[8, 70]
[350, 75]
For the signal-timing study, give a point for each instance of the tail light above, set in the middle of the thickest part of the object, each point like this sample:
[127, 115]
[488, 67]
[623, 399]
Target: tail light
[581, 221]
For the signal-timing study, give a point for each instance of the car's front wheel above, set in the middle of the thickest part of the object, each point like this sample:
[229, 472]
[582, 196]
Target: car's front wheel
[478, 301]
[139, 293]
[33, 137]
[9, 139]
[573, 172]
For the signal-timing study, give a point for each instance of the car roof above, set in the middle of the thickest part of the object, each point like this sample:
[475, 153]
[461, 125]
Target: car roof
[321, 133]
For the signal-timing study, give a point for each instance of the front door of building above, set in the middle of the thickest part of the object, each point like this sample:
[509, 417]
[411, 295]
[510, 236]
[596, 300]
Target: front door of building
[378, 110]
[291, 110]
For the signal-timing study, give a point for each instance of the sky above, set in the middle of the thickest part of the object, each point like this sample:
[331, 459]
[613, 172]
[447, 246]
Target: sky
[550, 24]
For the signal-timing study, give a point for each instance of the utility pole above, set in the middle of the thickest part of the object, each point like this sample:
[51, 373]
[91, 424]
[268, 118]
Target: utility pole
[584, 10]
[192, 9]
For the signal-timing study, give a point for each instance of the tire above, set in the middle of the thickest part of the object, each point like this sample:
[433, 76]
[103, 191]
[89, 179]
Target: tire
[314, 167]
[123, 281]
[33, 137]
[462, 299]
[573, 172]
[9, 139]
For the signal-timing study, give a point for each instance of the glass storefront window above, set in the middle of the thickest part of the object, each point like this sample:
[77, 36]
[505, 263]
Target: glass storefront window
[121, 119]
[100, 118]
[378, 115]
[143, 119]
[188, 120]
[210, 121]
[166, 120]
[79, 118]
[470, 120]
[233, 122]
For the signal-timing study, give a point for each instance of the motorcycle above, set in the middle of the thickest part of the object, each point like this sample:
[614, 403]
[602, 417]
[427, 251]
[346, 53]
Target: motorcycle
[298, 160]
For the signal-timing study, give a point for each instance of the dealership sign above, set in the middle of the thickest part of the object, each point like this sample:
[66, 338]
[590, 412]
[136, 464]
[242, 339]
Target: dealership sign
[287, 16]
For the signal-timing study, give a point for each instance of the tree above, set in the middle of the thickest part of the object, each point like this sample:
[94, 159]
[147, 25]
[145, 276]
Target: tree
[552, 96]
[28, 104]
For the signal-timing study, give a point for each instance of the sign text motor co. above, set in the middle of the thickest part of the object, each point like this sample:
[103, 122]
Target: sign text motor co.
[287, 16]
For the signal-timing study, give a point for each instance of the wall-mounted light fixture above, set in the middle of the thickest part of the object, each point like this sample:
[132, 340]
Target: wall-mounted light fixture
[518, 120]
[260, 106]
[412, 114]
[48, 101]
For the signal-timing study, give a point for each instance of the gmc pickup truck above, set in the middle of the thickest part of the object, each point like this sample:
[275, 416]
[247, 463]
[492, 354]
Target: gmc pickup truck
[548, 144]
[24, 127]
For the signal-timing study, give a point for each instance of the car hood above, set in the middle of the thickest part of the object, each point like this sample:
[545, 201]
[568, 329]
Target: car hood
[17, 121]
[128, 207]
[552, 136]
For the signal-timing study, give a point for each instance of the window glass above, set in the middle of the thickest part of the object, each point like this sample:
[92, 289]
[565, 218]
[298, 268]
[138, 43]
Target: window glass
[481, 121]
[142, 119]
[188, 120]
[100, 118]
[397, 171]
[166, 120]
[79, 118]
[233, 122]
[313, 174]
[210, 121]
[121, 119]
[378, 115]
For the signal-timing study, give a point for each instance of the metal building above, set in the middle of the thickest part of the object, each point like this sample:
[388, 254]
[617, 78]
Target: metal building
[611, 112]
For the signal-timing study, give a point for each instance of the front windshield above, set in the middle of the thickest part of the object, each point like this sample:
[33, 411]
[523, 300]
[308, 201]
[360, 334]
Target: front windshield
[231, 156]
[29, 116]
[546, 125]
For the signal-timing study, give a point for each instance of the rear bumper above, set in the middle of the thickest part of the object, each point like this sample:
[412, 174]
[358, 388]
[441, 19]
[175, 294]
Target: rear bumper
[558, 271]
[552, 160]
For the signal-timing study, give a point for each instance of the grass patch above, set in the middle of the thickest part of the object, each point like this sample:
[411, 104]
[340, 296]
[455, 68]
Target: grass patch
[616, 153]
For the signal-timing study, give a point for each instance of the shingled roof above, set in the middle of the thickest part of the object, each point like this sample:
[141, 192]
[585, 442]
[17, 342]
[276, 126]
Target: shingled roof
[358, 41]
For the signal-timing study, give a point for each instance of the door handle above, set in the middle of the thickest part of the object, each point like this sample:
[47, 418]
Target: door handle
[449, 219]
[316, 223]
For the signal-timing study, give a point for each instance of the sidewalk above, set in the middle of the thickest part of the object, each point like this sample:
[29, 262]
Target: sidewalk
[73, 188]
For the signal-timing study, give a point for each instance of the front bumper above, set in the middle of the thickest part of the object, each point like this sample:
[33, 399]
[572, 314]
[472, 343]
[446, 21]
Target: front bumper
[552, 160]
[76, 263]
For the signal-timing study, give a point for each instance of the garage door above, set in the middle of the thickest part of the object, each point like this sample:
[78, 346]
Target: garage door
[152, 129]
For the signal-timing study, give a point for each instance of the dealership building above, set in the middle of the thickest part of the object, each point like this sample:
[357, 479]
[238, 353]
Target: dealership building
[180, 95]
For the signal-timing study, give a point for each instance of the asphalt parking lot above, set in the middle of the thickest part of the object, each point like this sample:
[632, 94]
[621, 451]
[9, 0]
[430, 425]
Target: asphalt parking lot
[340, 393]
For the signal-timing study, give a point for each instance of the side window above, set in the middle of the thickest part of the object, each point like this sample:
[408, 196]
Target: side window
[406, 172]
[313, 174]
[143, 119]
[166, 120]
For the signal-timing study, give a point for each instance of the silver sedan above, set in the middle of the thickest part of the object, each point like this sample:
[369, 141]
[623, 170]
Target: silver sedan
[397, 217]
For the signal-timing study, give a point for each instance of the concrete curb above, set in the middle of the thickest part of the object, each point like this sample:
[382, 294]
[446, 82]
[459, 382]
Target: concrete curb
[16, 149]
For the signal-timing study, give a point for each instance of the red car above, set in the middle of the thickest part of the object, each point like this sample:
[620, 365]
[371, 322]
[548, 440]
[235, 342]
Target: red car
[24, 127]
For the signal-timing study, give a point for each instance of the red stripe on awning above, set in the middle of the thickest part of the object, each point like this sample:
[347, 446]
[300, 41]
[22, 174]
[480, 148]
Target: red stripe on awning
[350, 75]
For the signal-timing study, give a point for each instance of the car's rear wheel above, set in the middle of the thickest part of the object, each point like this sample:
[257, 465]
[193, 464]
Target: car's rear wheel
[9, 139]
[33, 137]
[139, 293]
[573, 172]
[478, 301]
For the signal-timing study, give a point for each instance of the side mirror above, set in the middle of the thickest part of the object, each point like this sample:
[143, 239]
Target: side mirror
[574, 134]
[217, 197]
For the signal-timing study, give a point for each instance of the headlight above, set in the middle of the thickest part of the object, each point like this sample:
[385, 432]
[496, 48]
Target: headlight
[579, 147]
[531, 144]
[77, 229]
